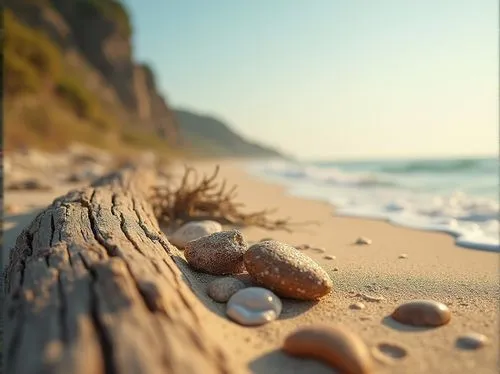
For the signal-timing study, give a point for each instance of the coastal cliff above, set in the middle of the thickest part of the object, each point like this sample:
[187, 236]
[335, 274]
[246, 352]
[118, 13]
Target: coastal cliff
[70, 74]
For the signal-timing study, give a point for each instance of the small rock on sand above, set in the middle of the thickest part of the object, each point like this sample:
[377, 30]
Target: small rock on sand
[472, 340]
[265, 239]
[335, 269]
[192, 231]
[320, 250]
[422, 313]
[220, 253]
[254, 306]
[286, 271]
[334, 345]
[328, 257]
[363, 241]
[389, 353]
[358, 306]
[222, 289]
[403, 256]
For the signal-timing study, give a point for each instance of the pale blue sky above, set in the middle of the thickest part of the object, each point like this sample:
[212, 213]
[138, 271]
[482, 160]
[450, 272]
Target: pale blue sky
[332, 78]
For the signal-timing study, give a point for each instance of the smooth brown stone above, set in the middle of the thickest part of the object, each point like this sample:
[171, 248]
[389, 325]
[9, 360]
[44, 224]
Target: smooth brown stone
[286, 271]
[328, 257]
[334, 345]
[222, 289]
[422, 313]
[220, 253]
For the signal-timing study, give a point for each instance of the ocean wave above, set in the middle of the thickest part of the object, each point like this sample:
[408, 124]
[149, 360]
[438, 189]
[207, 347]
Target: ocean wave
[331, 176]
[441, 204]
[441, 166]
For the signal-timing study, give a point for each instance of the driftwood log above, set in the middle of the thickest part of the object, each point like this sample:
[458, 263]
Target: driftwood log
[93, 287]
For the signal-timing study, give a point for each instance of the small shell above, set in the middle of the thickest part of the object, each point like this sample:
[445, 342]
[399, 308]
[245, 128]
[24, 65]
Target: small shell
[472, 340]
[334, 345]
[363, 241]
[254, 306]
[422, 313]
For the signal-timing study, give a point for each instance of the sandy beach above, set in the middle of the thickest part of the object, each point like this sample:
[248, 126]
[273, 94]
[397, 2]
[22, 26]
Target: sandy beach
[434, 268]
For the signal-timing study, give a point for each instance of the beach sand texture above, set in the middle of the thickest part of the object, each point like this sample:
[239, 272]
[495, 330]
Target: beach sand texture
[434, 268]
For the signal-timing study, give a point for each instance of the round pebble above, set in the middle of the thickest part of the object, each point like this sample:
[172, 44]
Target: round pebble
[286, 271]
[472, 340]
[357, 306]
[220, 253]
[254, 306]
[328, 257]
[192, 231]
[222, 289]
[363, 241]
[422, 313]
[334, 345]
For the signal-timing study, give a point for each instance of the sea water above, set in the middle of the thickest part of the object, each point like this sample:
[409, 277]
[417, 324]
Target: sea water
[457, 196]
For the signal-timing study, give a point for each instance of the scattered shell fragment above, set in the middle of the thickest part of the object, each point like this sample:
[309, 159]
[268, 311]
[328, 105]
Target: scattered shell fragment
[302, 247]
[422, 313]
[389, 353]
[329, 257]
[334, 345]
[192, 231]
[371, 298]
[222, 289]
[472, 340]
[358, 306]
[220, 253]
[286, 271]
[363, 241]
[254, 306]
[403, 255]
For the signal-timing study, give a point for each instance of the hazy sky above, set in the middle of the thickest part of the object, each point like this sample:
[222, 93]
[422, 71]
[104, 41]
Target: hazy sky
[332, 78]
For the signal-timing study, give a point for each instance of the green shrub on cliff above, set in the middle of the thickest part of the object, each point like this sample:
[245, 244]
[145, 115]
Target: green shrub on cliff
[25, 46]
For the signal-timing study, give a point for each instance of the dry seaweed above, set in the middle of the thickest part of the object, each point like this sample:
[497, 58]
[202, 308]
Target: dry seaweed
[207, 198]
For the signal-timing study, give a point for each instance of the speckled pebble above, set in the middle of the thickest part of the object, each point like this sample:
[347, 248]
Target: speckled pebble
[422, 313]
[222, 289]
[254, 306]
[472, 340]
[328, 257]
[220, 253]
[286, 271]
[192, 231]
[363, 241]
[334, 345]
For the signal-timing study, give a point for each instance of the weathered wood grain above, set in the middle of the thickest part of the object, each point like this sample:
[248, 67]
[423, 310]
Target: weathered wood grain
[93, 287]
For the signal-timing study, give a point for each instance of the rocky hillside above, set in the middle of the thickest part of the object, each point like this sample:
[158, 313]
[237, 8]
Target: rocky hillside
[70, 74]
[207, 136]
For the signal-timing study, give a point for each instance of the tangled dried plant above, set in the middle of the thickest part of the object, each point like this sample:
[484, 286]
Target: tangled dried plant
[209, 199]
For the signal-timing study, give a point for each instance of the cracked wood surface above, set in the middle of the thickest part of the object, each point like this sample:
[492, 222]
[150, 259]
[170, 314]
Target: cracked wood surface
[93, 287]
